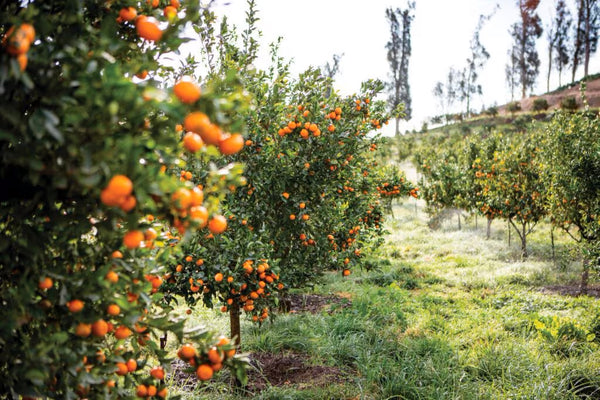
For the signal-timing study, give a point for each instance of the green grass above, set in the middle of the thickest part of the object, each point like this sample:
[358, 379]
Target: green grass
[446, 314]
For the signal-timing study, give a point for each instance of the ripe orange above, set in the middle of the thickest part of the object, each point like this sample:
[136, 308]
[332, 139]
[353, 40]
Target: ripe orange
[197, 197]
[112, 277]
[131, 365]
[142, 74]
[17, 41]
[122, 332]
[141, 391]
[211, 134]
[133, 239]
[120, 185]
[286, 195]
[331, 128]
[170, 12]
[22, 60]
[186, 352]
[204, 372]
[113, 309]
[199, 214]
[128, 203]
[217, 224]
[346, 272]
[186, 89]
[100, 328]
[45, 283]
[147, 28]
[117, 254]
[218, 277]
[150, 234]
[214, 356]
[122, 369]
[162, 393]
[231, 144]
[175, 3]
[151, 390]
[182, 198]
[292, 217]
[196, 121]
[127, 13]
[75, 305]
[192, 142]
[158, 372]
[83, 330]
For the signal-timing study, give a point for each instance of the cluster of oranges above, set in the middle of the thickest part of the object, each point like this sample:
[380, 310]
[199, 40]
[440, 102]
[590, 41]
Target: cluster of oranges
[200, 130]
[17, 41]
[209, 362]
[147, 27]
[118, 193]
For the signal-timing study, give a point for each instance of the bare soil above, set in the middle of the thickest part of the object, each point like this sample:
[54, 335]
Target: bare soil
[573, 290]
[314, 303]
[592, 94]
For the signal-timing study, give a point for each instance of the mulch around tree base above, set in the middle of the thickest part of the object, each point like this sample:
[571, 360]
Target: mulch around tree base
[572, 290]
[314, 303]
[289, 369]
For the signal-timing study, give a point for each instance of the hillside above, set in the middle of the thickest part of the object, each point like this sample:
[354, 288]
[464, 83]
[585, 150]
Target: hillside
[554, 98]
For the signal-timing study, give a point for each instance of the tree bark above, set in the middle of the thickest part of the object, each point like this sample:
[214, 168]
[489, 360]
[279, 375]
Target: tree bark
[234, 323]
[458, 215]
[585, 274]
[523, 234]
[552, 243]
[488, 231]
[163, 341]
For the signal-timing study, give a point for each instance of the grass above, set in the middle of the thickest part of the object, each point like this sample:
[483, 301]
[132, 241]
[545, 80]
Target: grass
[447, 314]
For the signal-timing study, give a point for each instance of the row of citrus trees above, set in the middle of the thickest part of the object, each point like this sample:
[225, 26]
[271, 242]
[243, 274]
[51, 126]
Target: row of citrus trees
[551, 172]
[122, 193]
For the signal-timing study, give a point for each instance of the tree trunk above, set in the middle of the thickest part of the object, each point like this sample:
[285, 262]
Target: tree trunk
[585, 274]
[509, 230]
[488, 231]
[552, 243]
[586, 61]
[475, 221]
[234, 323]
[523, 235]
[163, 341]
[398, 126]
[550, 48]
[458, 215]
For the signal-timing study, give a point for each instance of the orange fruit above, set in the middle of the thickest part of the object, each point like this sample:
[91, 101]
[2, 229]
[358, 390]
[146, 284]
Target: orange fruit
[231, 144]
[204, 372]
[151, 390]
[150, 234]
[131, 365]
[214, 356]
[331, 128]
[147, 28]
[127, 13]
[133, 239]
[117, 254]
[128, 203]
[45, 283]
[153, 3]
[199, 214]
[141, 391]
[162, 393]
[292, 217]
[197, 197]
[75, 305]
[113, 309]
[186, 352]
[158, 372]
[192, 142]
[217, 224]
[182, 198]
[112, 277]
[142, 74]
[211, 134]
[122, 332]
[120, 185]
[16, 41]
[122, 369]
[175, 3]
[196, 121]
[100, 328]
[218, 277]
[346, 272]
[186, 89]
[83, 330]
[170, 12]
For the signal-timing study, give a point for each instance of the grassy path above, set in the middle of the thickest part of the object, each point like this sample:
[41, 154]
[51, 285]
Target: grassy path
[445, 315]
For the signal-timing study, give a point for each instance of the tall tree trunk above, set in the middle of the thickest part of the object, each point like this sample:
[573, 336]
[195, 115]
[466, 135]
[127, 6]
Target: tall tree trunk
[585, 274]
[488, 230]
[475, 221]
[458, 215]
[234, 323]
[523, 235]
[559, 75]
[586, 62]
[398, 126]
[550, 48]
[509, 231]
[552, 242]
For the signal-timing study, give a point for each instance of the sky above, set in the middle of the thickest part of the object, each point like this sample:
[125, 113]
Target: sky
[312, 31]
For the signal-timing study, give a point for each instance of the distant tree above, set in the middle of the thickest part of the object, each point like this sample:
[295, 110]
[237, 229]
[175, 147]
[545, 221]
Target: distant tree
[477, 58]
[331, 70]
[399, 51]
[586, 34]
[511, 72]
[524, 54]
[562, 42]
[446, 92]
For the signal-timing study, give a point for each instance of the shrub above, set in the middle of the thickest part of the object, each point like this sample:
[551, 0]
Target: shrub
[540, 104]
[569, 103]
[513, 107]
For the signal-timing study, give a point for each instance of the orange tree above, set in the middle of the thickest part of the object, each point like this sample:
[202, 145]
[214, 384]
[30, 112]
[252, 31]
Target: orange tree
[392, 184]
[516, 186]
[309, 205]
[571, 151]
[86, 207]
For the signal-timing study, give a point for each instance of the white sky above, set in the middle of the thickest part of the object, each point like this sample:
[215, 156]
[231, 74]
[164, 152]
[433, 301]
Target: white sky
[314, 30]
